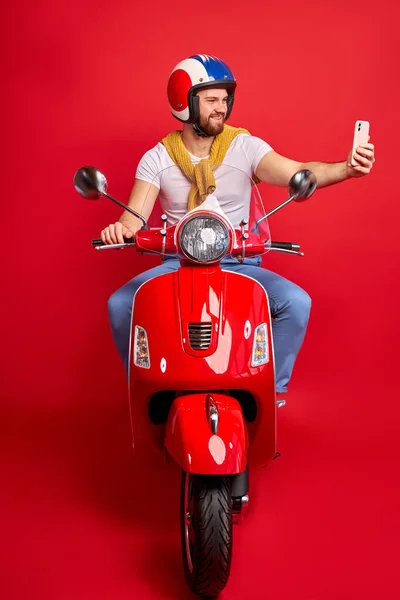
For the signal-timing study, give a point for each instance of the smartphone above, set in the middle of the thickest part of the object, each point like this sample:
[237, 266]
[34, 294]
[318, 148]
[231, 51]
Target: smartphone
[361, 133]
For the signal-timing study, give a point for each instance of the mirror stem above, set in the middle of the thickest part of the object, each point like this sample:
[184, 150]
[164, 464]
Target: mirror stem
[275, 209]
[126, 208]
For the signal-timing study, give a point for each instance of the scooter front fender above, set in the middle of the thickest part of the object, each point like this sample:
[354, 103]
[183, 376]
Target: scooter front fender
[192, 444]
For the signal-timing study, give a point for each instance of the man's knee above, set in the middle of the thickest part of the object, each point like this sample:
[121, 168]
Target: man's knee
[118, 307]
[301, 306]
[298, 305]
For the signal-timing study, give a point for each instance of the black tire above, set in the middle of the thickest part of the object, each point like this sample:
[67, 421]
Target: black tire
[206, 532]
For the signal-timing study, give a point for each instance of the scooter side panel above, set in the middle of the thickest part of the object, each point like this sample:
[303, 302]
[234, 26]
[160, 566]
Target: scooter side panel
[164, 307]
[190, 441]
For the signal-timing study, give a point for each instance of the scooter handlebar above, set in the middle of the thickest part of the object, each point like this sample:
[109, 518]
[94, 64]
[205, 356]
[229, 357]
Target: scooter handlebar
[282, 246]
[99, 242]
[285, 246]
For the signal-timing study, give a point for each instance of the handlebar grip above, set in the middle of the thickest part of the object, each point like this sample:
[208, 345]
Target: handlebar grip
[99, 241]
[285, 245]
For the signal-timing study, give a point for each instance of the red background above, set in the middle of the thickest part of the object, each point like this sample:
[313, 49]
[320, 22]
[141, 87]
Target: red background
[86, 84]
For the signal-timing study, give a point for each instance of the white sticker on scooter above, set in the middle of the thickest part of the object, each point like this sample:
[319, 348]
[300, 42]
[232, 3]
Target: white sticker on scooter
[163, 365]
[216, 446]
[247, 330]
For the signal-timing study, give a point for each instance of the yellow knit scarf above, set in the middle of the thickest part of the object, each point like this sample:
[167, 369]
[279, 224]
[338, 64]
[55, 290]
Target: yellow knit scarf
[201, 174]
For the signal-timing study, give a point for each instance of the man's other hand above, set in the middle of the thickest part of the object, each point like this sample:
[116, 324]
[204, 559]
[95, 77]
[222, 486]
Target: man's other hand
[115, 233]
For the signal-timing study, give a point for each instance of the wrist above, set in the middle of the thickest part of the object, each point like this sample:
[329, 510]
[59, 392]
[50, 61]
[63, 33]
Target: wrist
[348, 171]
[130, 222]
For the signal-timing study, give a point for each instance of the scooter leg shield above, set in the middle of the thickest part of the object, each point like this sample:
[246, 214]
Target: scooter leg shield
[207, 434]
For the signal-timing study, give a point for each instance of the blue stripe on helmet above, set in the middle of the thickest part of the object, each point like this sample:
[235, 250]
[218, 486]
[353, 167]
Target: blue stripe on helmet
[216, 69]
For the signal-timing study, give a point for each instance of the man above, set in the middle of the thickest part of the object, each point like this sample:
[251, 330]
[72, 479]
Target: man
[201, 94]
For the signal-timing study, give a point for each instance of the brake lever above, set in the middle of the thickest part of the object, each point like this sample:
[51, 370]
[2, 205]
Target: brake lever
[115, 246]
[286, 251]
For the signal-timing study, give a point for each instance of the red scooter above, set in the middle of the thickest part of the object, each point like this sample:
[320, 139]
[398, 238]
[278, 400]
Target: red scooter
[201, 370]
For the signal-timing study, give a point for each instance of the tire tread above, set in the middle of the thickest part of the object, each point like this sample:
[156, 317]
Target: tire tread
[213, 533]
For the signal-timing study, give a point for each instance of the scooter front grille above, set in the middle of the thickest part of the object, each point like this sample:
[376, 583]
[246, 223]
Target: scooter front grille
[200, 335]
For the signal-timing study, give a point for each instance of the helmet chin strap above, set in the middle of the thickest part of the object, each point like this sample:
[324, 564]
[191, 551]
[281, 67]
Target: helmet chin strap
[198, 130]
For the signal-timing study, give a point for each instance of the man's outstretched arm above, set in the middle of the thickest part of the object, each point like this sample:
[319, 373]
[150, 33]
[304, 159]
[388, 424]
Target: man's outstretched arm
[277, 170]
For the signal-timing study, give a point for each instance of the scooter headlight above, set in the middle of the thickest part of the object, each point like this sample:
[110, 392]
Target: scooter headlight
[141, 355]
[204, 239]
[260, 354]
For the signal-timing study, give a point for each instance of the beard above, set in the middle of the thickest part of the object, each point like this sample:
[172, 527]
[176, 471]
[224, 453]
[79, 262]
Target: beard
[210, 127]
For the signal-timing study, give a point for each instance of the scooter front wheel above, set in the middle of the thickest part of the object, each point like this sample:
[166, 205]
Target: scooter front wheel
[206, 532]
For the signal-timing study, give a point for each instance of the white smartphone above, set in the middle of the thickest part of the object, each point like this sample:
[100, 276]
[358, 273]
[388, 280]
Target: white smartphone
[361, 133]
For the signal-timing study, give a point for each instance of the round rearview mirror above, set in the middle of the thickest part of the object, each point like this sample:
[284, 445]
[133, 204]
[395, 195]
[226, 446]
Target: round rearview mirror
[302, 185]
[90, 183]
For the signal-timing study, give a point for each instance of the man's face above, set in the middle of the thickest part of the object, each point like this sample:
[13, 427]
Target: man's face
[213, 107]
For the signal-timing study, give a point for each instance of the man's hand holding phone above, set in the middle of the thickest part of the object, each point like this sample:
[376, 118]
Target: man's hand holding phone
[362, 155]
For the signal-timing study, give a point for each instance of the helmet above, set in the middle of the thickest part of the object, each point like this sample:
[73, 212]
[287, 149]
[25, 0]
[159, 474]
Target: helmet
[195, 73]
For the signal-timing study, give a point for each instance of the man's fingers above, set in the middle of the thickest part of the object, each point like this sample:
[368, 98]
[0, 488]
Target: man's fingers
[369, 146]
[363, 170]
[361, 160]
[115, 233]
[119, 232]
[107, 235]
[113, 237]
[366, 153]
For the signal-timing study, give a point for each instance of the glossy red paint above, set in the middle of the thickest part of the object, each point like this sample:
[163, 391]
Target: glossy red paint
[191, 443]
[150, 240]
[254, 246]
[200, 297]
[235, 305]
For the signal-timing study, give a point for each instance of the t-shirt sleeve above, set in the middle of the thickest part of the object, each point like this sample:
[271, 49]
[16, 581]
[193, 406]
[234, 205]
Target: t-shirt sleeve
[149, 167]
[255, 149]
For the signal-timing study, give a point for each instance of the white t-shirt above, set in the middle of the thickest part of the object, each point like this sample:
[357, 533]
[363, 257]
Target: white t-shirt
[232, 178]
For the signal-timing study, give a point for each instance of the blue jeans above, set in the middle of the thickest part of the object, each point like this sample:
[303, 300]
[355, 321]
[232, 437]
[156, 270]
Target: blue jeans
[290, 308]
